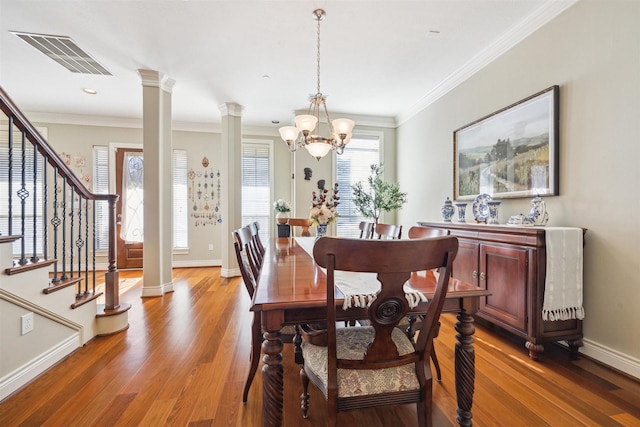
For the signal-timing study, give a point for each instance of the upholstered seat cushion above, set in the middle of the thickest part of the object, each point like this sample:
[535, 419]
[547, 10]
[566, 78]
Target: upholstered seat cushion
[351, 344]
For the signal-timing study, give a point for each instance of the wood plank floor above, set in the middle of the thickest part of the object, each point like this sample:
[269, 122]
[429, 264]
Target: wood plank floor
[184, 359]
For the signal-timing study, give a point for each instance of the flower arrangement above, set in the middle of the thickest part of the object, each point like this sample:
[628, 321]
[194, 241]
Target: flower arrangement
[281, 206]
[324, 211]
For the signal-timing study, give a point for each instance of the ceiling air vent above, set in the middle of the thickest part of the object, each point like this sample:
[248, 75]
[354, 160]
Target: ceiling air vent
[65, 52]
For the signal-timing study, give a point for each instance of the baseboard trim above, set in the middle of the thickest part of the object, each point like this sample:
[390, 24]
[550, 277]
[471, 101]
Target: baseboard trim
[26, 373]
[616, 360]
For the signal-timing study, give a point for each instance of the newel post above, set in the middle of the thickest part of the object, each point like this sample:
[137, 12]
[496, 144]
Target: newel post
[112, 291]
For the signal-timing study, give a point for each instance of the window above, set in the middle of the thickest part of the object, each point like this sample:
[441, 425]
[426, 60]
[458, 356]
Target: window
[180, 214]
[101, 186]
[33, 184]
[352, 166]
[256, 185]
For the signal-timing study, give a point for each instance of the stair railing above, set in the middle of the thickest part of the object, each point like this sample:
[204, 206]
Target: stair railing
[53, 221]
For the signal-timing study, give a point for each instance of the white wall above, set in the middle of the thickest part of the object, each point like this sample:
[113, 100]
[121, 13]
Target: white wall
[592, 51]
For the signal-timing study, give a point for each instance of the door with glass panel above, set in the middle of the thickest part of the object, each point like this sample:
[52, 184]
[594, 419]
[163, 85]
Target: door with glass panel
[130, 213]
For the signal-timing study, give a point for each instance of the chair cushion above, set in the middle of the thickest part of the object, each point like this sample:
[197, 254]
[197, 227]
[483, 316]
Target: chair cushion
[351, 344]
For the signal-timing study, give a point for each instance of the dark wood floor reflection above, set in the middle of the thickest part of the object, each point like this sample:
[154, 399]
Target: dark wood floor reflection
[184, 359]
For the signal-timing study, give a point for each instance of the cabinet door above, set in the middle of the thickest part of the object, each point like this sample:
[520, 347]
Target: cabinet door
[465, 266]
[504, 272]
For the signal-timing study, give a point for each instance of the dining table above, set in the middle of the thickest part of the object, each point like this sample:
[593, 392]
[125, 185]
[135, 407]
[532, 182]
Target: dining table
[291, 290]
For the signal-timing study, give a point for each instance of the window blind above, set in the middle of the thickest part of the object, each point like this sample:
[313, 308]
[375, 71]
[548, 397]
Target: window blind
[256, 186]
[352, 166]
[180, 214]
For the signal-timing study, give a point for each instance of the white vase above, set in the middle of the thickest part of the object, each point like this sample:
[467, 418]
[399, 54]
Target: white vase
[282, 217]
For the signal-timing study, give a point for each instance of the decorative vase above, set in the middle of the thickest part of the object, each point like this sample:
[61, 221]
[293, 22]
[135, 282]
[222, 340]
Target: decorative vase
[538, 214]
[321, 231]
[282, 217]
[493, 212]
[447, 210]
[462, 210]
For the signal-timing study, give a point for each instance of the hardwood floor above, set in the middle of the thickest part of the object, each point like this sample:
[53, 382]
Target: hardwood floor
[184, 360]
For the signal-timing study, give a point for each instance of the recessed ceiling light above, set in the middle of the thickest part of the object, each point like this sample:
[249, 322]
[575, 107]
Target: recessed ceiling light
[275, 122]
[266, 76]
[89, 91]
[433, 34]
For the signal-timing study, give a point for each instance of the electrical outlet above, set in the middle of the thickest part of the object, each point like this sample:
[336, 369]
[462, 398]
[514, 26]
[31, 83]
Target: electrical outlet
[27, 323]
[210, 246]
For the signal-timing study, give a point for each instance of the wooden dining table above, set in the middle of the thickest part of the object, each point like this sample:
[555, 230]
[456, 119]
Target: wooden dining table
[292, 290]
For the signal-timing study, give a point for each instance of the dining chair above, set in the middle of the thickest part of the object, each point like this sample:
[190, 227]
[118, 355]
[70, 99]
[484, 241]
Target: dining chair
[255, 234]
[417, 232]
[377, 365]
[366, 229]
[305, 223]
[242, 245]
[388, 231]
[256, 244]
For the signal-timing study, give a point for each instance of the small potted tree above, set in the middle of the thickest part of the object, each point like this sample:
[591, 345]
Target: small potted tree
[380, 196]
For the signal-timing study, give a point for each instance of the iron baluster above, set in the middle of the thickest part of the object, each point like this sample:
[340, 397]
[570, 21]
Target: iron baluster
[55, 222]
[23, 194]
[34, 257]
[93, 254]
[86, 249]
[79, 244]
[45, 201]
[64, 229]
[73, 199]
[10, 177]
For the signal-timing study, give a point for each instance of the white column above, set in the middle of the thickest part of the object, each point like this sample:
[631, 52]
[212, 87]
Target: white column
[231, 192]
[158, 188]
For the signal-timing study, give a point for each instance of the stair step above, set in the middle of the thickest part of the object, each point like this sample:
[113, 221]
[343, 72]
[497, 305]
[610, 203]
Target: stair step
[17, 268]
[61, 284]
[85, 298]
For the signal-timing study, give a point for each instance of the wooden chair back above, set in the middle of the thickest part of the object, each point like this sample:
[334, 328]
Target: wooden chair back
[394, 261]
[246, 260]
[256, 245]
[388, 231]
[304, 223]
[366, 229]
[417, 232]
[255, 235]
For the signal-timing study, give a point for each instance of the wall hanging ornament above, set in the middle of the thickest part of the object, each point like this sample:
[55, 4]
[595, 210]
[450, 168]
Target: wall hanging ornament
[204, 194]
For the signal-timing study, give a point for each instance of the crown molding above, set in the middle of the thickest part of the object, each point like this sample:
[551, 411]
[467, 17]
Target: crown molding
[231, 109]
[508, 40]
[154, 78]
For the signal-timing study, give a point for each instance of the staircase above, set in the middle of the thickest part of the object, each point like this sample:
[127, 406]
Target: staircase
[48, 276]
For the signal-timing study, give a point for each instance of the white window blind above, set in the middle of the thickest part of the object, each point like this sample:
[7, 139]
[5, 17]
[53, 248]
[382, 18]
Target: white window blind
[101, 186]
[180, 214]
[352, 166]
[256, 186]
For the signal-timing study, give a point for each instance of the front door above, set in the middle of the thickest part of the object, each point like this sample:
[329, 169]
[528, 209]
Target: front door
[130, 230]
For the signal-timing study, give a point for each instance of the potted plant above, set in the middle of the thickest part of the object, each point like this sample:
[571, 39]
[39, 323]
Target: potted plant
[283, 208]
[379, 196]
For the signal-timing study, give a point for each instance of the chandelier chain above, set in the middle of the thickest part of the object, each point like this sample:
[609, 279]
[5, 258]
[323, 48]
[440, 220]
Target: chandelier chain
[318, 54]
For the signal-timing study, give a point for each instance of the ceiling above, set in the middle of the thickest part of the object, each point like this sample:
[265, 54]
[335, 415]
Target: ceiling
[385, 58]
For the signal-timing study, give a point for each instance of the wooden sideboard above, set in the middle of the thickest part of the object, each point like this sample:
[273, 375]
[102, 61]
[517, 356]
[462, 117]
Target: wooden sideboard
[511, 263]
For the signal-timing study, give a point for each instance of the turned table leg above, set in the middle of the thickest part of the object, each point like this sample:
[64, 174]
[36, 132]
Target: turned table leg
[272, 378]
[465, 367]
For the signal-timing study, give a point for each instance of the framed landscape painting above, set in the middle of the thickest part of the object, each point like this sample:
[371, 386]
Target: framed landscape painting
[510, 153]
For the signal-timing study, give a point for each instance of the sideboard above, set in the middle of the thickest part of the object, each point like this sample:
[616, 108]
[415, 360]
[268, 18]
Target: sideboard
[511, 263]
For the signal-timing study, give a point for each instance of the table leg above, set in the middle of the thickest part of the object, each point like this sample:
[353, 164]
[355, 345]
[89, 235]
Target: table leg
[465, 367]
[272, 379]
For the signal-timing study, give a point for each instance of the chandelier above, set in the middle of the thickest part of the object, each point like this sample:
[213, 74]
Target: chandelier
[306, 131]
